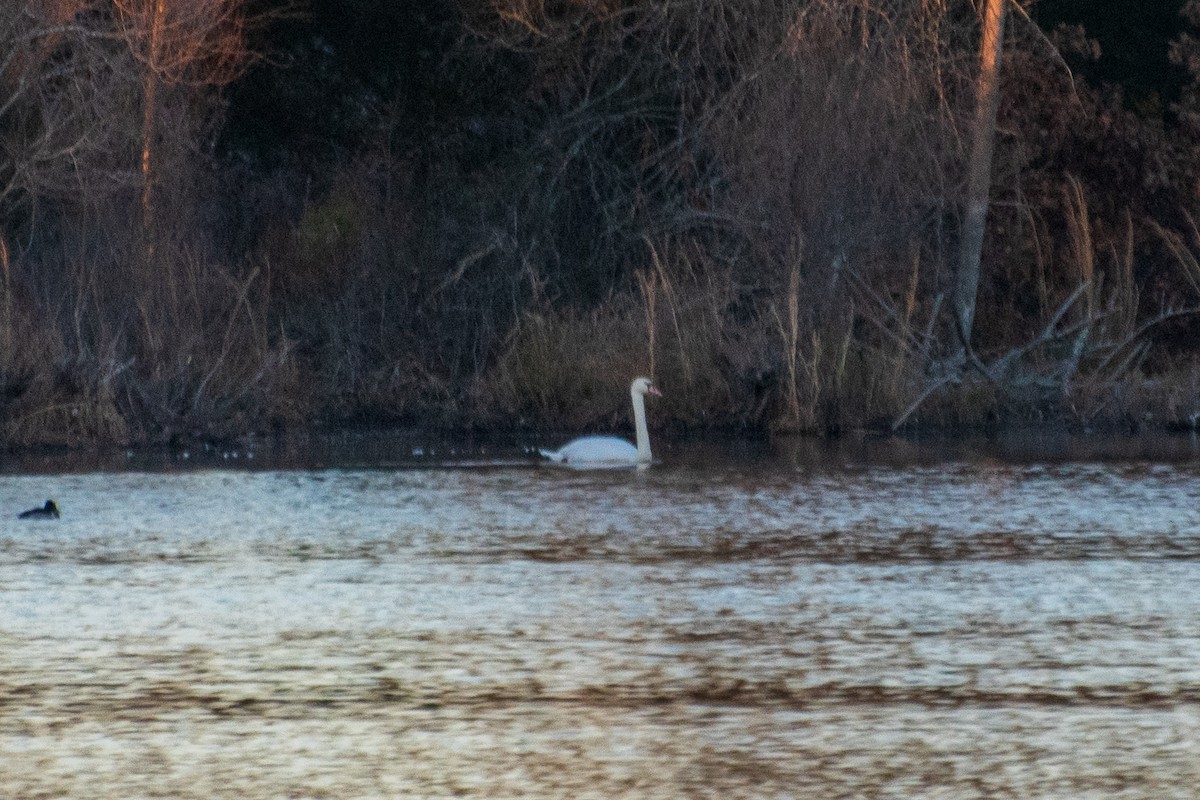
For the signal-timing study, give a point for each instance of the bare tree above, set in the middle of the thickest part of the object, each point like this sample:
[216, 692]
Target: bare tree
[62, 80]
[979, 168]
[194, 44]
[838, 144]
[1185, 51]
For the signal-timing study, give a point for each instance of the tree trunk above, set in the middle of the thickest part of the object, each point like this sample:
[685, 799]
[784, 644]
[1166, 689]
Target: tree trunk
[979, 169]
[150, 117]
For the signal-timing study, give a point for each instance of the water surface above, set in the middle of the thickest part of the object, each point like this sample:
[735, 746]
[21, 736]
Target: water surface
[387, 618]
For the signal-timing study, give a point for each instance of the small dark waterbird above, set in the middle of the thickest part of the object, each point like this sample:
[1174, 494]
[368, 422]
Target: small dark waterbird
[48, 511]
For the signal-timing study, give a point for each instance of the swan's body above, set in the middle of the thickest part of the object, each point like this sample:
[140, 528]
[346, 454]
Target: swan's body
[603, 449]
[592, 452]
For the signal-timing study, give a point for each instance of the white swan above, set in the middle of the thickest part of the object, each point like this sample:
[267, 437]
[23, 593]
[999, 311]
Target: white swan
[611, 451]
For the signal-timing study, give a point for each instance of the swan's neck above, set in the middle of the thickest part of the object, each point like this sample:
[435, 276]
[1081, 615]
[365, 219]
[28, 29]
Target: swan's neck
[639, 425]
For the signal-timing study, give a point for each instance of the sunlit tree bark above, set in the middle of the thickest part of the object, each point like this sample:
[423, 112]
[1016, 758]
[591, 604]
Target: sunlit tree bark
[150, 107]
[178, 43]
[979, 168]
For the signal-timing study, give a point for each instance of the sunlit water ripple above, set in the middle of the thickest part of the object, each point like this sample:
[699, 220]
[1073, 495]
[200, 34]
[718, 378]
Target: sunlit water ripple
[750, 626]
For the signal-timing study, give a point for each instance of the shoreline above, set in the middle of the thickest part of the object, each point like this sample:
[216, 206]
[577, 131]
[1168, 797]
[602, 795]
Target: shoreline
[410, 447]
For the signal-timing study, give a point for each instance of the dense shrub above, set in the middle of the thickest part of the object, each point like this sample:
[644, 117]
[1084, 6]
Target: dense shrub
[496, 213]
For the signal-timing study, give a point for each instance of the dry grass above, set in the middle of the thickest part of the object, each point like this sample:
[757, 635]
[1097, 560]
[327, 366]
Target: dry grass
[195, 348]
[186, 351]
[212, 366]
[570, 368]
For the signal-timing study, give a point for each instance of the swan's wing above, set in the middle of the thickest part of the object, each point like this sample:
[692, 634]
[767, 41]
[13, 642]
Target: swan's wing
[557, 456]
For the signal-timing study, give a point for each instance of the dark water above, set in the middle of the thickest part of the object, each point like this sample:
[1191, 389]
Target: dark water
[378, 618]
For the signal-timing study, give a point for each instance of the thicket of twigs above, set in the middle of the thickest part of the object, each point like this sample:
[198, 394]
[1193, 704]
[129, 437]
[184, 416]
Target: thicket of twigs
[756, 201]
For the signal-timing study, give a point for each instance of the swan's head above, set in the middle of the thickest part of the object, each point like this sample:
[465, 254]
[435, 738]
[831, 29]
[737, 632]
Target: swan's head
[644, 386]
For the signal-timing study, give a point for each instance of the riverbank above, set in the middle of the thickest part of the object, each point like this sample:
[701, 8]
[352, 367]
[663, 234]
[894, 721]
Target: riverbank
[570, 372]
[511, 260]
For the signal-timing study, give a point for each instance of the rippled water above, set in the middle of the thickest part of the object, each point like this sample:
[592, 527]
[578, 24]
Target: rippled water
[381, 620]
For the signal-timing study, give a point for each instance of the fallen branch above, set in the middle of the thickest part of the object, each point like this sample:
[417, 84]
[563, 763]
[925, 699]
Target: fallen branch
[1123, 353]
